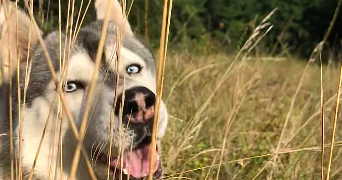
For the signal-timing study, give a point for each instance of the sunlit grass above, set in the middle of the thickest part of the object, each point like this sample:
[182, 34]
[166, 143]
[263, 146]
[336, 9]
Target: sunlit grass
[238, 116]
[262, 91]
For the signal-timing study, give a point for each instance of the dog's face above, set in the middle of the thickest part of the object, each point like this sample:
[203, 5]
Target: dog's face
[121, 114]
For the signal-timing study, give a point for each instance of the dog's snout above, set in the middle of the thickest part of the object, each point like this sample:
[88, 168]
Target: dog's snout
[138, 105]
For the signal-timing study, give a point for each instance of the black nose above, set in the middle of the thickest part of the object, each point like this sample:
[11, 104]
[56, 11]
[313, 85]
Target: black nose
[138, 105]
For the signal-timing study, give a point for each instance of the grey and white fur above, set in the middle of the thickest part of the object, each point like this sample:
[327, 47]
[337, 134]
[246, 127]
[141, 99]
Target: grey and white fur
[134, 74]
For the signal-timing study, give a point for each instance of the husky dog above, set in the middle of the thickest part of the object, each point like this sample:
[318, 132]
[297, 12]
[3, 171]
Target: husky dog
[128, 74]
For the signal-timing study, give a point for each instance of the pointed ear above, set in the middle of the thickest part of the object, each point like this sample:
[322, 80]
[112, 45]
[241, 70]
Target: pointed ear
[11, 34]
[116, 14]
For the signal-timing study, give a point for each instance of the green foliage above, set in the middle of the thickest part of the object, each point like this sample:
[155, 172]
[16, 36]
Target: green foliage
[222, 24]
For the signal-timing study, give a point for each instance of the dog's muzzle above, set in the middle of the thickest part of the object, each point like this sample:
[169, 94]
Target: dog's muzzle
[138, 105]
[135, 107]
[137, 111]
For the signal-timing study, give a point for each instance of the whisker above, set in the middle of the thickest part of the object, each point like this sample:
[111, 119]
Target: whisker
[95, 152]
[92, 148]
[100, 151]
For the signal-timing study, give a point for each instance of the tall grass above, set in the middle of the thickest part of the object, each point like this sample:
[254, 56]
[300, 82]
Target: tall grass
[232, 116]
[257, 98]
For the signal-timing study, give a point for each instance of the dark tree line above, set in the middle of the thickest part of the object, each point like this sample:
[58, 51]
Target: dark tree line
[223, 24]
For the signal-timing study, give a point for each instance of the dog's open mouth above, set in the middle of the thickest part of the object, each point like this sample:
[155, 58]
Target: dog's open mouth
[136, 162]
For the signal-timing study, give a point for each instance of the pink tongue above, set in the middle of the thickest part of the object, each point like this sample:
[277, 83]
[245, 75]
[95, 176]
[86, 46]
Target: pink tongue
[137, 162]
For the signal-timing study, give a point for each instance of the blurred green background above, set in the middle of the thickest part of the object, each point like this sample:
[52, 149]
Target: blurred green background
[209, 26]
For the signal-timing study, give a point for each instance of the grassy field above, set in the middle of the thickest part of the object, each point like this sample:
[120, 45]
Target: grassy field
[249, 118]
[254, 125]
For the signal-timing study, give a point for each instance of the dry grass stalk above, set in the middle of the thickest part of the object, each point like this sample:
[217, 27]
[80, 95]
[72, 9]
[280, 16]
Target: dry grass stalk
[229, 119]
[322, 117]
[90, 94]
[59, 91]
[160, 78]
[10, 111]
[283, 137]
[78, 27]
[27, 72]
[53, 73]
[335, 124]
[332, 22]
[315, 148]
[246, 47]
[121, 149]
[283, 141]
[41, 139]
[19, 95]
[250, 43]
[78, 18]
[198, 118]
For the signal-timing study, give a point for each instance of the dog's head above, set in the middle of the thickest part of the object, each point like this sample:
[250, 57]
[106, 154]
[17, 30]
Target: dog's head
[121, 113]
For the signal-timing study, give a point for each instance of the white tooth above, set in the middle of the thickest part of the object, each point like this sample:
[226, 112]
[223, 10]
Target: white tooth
[125, 171]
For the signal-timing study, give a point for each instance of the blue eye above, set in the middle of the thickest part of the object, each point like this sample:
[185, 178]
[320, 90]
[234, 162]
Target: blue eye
[70, 87]
[73, 86]
[133, 69]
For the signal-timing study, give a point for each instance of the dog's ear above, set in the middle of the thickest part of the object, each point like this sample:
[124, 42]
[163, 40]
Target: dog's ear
[11, 34]
[116, 14]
